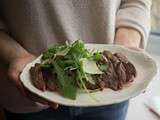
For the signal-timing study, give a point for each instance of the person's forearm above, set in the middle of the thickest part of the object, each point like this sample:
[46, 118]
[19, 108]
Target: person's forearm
[9, 48]
[128, 37]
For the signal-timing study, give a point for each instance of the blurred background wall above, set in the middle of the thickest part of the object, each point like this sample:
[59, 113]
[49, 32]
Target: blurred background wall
[155, 20]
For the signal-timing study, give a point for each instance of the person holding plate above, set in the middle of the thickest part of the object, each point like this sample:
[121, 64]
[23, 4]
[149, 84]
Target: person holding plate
[28, 27]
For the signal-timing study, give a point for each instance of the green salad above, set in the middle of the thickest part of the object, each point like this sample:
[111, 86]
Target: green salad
[74, 66]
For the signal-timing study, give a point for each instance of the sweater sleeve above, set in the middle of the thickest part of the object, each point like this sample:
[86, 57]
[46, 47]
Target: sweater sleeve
[135, 14]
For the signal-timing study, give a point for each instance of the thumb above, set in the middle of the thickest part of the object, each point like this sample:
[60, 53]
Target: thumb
[15, 78]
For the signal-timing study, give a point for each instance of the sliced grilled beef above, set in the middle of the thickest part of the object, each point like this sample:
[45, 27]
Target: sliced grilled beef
[91, 86]
[37, 77]
[107, 54]
[130, 71]
[121, 72]
[50, 80]
[121, 57]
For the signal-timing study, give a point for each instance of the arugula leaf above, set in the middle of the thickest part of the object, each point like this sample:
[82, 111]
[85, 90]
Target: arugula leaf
[70, 92]
[102, 67]
[79, 50]
[97, 56]
[64, 82]
[49, 53]
[56, 50]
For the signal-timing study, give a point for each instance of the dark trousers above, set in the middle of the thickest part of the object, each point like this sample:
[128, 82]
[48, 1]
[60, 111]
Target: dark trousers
[110, 112]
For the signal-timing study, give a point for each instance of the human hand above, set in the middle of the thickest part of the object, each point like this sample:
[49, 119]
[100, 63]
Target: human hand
[15, 68]
[128, 37]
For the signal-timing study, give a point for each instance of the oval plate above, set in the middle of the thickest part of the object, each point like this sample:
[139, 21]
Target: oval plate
[146, 69]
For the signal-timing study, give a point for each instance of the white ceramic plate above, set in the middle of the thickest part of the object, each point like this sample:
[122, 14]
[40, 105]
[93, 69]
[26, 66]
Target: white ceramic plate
[146, 69]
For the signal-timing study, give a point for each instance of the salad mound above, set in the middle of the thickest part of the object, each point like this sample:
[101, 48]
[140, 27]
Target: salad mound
[69, 67]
